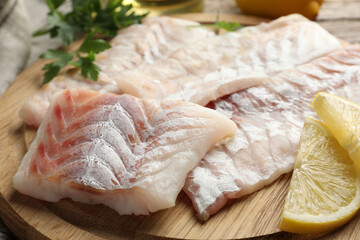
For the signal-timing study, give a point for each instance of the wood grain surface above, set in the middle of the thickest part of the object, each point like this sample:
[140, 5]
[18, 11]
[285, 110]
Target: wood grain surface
[255, 216]
[339, 17]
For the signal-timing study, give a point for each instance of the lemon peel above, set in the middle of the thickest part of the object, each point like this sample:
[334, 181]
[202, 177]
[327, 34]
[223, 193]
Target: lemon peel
[278, 8]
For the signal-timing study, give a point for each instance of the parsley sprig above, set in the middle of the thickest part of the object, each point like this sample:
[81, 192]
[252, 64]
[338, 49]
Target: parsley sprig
[228, 26]
[91, 18]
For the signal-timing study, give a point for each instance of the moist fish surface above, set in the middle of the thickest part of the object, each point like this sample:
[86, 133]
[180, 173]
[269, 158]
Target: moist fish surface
[133, 46]
[130, 154]
[269, 118]
[210, 68]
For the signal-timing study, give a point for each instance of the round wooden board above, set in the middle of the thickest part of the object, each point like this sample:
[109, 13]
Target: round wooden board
[255, 215]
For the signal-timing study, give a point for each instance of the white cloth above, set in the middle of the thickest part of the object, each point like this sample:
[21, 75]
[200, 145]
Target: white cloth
[19, 19]
[14, 40]
[37, 11]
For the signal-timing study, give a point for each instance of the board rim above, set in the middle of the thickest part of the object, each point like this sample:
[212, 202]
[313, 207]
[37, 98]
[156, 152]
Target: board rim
[27, 229]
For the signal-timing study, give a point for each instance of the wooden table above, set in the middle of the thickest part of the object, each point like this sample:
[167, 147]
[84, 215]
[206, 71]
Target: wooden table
[339, 17]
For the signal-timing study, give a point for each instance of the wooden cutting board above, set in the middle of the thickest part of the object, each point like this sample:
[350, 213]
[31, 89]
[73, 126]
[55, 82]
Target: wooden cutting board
[256, 215]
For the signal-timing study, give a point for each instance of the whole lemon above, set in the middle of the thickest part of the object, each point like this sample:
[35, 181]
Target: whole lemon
[277, 8]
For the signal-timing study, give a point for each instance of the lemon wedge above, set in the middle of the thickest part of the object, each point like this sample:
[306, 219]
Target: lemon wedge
[324, 191]
[343, 119]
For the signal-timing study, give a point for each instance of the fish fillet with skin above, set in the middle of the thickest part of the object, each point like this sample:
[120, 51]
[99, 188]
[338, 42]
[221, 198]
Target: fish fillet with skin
[210, 68]
[138, 44]
[269, 118]
[130, 154]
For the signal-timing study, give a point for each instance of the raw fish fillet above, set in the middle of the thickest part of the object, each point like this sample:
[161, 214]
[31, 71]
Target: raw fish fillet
[269, 118]
[146, 43]
[130, 154]
[138, 44]
[210, 68]
[34, 108]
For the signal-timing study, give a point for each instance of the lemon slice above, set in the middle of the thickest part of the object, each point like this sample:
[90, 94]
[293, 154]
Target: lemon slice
[324, 191]
[343, 119]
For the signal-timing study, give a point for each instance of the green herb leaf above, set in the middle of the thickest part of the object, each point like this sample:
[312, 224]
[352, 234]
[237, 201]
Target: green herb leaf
[52, 69]
[61, 29]
[228, 26]
[41, 32]
[88, 68]
[92, 17]
[232, 26]
[63, 58]
[95, 46]
[54, 4]
[123, 18]
[113, 4]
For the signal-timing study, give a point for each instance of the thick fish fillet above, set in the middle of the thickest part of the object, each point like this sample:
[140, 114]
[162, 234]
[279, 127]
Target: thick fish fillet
[210, 68]
[138, 44]
[269, 120]
[130, 154]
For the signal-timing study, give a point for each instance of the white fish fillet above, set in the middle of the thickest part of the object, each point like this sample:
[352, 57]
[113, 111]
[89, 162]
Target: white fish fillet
[146, 43]
[130, 154]
[210, 68]
[34, 108]
[138, 44]
[269, 120]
